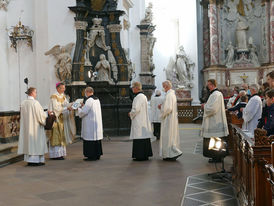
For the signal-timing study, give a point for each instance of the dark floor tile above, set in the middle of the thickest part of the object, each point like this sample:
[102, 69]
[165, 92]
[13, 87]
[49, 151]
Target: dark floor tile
[209, 185]
[231, 202]
[194, 181]
[227, 191]
[190, 202]
[193, 190]
[209, 197]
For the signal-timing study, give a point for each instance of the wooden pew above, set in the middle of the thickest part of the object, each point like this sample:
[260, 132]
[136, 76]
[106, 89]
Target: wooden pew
[270, 169]
[249, 173]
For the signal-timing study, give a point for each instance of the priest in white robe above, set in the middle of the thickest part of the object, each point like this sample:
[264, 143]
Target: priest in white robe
[63, 130]
[214, 119]
[170, 138]
[92, 126]
[140, 131]
[156, 113]
[253, 110]
[32, 138]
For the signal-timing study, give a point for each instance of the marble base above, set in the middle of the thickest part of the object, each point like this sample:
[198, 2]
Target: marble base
[183, 97]
[9, 126]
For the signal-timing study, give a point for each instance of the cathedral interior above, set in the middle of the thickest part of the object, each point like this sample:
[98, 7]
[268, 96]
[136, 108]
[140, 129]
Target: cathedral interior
[108, 45]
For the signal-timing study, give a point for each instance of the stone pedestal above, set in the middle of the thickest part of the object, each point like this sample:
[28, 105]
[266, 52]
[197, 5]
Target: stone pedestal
[183, 97]
[147, 66]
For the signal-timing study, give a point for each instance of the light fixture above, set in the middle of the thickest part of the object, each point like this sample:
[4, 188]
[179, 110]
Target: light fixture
[20, 32]
[216, 143]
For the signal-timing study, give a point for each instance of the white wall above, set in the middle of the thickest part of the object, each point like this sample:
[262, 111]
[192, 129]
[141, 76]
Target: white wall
[176, 25]
[53, 24]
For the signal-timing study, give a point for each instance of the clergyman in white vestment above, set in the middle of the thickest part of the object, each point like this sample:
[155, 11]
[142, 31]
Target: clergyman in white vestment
[214, 119]
[170, 138]
[140, 131]
[32, 138]
[253, 110]
[92, 126]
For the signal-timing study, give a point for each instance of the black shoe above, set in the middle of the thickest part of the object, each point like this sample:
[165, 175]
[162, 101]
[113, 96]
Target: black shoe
[89, 159]
[176, 157]
[58, 158]
[32, 164]
[214, 160]
[140, 159]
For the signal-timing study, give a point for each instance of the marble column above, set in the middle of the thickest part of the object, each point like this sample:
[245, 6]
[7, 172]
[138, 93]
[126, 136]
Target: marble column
[213, 33]
[206, 39]
[78, 67]
[4, 67]
[271, 34]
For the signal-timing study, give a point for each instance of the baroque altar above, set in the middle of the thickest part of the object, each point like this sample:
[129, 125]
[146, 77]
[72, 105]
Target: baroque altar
[99, 61]
[237, 41]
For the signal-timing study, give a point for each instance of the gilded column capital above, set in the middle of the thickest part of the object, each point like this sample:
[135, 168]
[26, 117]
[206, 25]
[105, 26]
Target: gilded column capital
[81, 25]
[113, 28]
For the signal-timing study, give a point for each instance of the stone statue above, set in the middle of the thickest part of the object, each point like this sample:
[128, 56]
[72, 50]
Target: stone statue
[230, 56]
[103, 69]
[148, 15]
[180, 71]
[253, 56]
[184, 68]
[97, 35]
[4, 4]
[151, 42]
[63, 66]
[241, 35]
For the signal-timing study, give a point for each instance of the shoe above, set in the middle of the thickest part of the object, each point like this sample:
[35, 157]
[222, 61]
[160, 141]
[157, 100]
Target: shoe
[31, 164]
[214, 160]
[89, 159]
[142, 159]
[176, 157]
[58, 158]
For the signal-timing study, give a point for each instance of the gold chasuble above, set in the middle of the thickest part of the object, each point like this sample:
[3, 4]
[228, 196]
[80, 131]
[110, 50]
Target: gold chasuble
[57, 137]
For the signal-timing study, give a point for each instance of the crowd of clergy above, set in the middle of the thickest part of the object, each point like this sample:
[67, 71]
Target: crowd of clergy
[250, 103]
[35, 141]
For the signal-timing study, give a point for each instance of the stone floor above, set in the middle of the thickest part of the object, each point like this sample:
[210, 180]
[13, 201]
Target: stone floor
[114, 180]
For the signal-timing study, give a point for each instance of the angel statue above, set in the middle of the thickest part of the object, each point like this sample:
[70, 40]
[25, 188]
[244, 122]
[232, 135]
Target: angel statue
[4, 4]
[63, 66]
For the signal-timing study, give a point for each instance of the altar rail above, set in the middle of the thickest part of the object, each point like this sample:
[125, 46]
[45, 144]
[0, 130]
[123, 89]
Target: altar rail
[250, 176]
[186, 114]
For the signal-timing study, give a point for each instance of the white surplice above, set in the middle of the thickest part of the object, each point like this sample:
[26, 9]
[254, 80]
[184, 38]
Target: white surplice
[92, 126]
[32, 139]
[155, 111]
[140, 124]
[169, 139]
[214, 119]
[252, 113]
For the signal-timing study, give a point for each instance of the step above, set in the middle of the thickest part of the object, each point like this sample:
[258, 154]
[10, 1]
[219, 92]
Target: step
[8, 148]
[10, 158]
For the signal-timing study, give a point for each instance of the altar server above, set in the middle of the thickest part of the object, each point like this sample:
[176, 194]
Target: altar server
[92, 127]
[140, 131]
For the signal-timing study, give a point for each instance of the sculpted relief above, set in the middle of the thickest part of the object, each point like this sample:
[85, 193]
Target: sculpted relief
[241, 20]
[63, 65]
